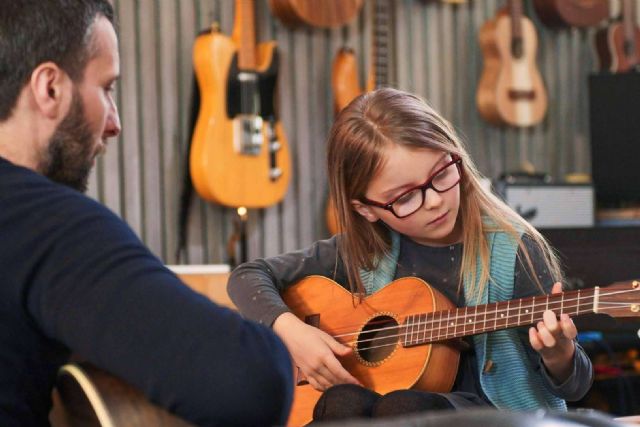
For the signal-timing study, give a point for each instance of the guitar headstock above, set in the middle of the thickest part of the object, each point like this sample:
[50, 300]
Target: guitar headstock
[620, 299]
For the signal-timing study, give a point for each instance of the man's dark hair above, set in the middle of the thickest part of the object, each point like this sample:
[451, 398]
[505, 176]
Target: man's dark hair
[37, 31]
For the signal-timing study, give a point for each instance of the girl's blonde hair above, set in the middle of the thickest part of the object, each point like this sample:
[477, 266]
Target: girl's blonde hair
[356, 144]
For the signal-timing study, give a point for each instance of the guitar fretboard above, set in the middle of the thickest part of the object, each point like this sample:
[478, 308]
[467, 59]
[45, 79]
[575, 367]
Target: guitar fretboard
[444, 325]
[246, 36]
[381, 42]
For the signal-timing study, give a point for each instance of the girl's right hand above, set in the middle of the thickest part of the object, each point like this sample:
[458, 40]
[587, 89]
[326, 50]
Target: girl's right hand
[314, 352]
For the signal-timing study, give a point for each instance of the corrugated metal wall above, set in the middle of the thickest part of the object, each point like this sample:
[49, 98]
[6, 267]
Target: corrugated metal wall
[438, 57]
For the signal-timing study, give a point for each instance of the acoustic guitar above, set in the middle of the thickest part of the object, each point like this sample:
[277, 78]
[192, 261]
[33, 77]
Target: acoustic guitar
[345, 82]
[86, 396]
[401, 335]
[571, 13]
[511, 90]
[239, 154]
[618, 45]
[317, 13]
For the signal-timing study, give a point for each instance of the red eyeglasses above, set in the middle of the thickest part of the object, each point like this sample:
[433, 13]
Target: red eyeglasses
[407, 203]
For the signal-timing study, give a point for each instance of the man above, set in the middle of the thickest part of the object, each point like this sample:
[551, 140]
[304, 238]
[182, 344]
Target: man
[73, 276]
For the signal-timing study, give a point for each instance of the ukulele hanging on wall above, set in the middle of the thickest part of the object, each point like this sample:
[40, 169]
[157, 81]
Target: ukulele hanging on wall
[511, 90]
[239, 155]
[618, 45]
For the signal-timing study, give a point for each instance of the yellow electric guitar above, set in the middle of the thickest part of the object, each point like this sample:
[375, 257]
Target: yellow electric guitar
[239, 154]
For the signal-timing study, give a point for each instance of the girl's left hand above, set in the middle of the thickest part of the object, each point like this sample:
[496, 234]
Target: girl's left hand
[553, 339]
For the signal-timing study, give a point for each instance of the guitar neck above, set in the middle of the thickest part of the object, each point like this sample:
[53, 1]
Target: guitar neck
[516, 14]
[381, 42]
[466, 321]
[244, 34]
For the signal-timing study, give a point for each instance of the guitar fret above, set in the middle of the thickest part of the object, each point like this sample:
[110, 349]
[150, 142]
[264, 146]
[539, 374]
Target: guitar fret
[464, 321]
[484, 322]
[519, 310]
[578, 304]
[425, 325]
[533, 307]
[546, 304]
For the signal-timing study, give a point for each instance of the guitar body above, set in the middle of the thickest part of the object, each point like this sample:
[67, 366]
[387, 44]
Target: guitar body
[346, 87]
[344, 79]
[571, 13]
[223, 170]
[317, 13]
[86, 397]
[623, 59]
[391, 366]
[511, 90]
[331, 218]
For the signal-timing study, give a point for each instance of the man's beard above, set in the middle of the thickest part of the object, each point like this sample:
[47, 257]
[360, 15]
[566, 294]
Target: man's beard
[69, 159]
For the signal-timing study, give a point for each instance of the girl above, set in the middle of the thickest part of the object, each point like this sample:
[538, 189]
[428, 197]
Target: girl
[410, 203]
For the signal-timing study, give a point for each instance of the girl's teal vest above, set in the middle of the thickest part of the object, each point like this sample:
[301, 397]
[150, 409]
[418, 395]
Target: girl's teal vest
[511, 382]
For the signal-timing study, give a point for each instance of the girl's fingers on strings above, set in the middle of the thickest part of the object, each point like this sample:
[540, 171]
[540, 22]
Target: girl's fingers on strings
[534, 340]
[545, 335]
[569, 329]
[551, 322]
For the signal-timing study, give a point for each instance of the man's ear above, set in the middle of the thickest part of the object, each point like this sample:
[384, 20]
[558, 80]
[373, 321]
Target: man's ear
[366, 211]
[51, 89]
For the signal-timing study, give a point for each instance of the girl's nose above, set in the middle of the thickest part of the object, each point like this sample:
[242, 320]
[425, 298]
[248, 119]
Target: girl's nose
[432, 199]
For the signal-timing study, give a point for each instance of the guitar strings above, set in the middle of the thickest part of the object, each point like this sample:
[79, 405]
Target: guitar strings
[507, 309]
[430, 341]
[438, 337]
[602, 305]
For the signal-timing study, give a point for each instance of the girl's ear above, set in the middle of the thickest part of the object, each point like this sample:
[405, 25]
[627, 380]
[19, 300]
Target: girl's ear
[364, 210]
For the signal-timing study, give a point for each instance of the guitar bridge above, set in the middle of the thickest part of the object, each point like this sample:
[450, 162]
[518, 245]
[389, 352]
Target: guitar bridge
[248, 134]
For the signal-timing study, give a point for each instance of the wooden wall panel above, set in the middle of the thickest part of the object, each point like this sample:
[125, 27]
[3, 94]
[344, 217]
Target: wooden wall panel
[438, 57]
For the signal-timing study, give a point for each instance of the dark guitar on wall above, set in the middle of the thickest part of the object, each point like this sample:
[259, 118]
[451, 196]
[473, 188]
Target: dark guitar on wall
[239, 154]
[402, 334]
[571, 13]
[317, 13]
[510, 90]
[618, 45]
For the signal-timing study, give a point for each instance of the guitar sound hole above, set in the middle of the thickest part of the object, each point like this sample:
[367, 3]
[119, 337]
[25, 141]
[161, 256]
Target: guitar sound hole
[378, 339]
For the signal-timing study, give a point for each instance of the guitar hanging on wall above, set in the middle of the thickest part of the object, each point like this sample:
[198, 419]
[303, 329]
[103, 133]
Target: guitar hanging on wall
[239, 154]
[511, 90]
[345, 82]
[571, 13]
[317, 13]
[618, 45]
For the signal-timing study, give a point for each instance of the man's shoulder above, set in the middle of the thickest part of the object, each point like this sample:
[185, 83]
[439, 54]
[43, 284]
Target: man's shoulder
[23, 191]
